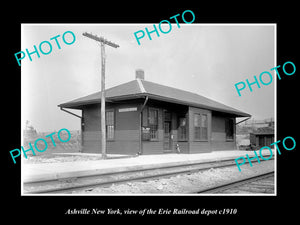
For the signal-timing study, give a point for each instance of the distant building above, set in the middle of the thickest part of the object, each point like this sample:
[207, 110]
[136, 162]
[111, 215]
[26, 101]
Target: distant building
[143, 117]
[262, 137]
[259, 123]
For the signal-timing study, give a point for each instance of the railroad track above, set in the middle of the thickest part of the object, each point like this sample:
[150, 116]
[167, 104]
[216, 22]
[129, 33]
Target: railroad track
[80, 183]
[263, 183]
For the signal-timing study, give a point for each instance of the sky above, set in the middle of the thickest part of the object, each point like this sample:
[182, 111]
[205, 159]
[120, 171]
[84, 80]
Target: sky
[207, 59]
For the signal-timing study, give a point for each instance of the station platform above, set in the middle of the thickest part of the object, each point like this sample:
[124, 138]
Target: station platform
[49, 171]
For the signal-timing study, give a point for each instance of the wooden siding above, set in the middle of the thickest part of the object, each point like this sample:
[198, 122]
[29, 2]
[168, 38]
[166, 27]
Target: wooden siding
[123, 147]
[152, 147]
[199, 147]
[218, 136]
[196, 146]
[91, 115]
[220, 146]
[126, 139]
[91, 136]
[127, 130]
[184, 147]
[127, 120]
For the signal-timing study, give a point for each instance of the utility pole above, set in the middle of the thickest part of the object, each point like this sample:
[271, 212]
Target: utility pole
[103, 42]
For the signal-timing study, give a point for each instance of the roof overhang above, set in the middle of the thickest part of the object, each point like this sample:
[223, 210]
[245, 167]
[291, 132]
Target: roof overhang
[80, 104]
[236, 113]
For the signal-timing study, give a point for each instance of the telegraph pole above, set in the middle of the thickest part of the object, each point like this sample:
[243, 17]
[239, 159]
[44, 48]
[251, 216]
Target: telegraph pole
[103, 42]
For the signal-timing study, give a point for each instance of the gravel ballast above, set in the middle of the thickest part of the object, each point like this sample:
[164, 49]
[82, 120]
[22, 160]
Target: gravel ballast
[184, 183]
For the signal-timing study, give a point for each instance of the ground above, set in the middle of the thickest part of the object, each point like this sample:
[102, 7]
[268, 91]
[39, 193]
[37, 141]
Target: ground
[185, 183]
[65, 157]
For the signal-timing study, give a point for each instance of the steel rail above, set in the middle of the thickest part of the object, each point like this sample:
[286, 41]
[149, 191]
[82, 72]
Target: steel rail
[235, 184]
[85, 182]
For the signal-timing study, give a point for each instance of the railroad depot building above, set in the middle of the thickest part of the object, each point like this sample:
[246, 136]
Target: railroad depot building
[143, 117]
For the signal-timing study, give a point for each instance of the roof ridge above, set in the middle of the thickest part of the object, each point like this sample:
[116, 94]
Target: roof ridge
[141, 86]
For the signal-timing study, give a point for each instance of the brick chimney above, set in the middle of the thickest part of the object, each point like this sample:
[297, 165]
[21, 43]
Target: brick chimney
[139, 74]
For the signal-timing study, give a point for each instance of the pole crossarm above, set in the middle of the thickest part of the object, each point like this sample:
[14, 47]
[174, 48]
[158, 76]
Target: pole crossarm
[100, 39]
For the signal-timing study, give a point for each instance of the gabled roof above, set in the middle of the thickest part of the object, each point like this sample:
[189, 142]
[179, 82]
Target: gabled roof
[140, 88]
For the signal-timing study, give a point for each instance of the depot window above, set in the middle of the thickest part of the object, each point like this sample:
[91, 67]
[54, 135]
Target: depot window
[153, 123]
[110, 125]
[229, 129]
[182, 129]
[200, 127]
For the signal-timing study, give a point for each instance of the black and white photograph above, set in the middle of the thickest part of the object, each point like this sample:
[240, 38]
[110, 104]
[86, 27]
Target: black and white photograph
[142, 109]
[150, 112]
